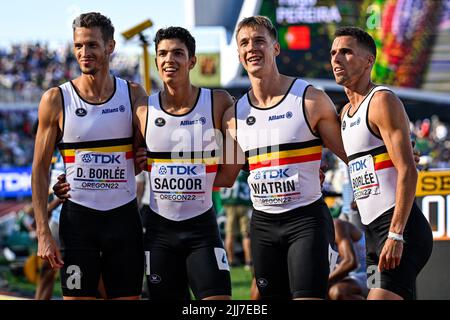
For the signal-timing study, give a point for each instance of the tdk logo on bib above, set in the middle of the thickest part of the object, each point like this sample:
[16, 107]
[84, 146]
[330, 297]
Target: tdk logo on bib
[100, 158]
[358, 165]
[178, 170]
[86, 158]
[271, 174]
[162, 170]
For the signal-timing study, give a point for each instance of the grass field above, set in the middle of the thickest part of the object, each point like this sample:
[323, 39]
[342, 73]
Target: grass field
[240, 278]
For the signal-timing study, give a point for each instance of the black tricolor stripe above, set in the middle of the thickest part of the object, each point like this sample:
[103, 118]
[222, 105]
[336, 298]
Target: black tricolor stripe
[373, 152]
[183, 154]
[95, 144]
[283, 147]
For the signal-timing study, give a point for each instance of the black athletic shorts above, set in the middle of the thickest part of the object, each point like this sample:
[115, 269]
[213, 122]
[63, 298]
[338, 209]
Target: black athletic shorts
[416, 252]
[107, 243]
[290, 251]
[185, 253]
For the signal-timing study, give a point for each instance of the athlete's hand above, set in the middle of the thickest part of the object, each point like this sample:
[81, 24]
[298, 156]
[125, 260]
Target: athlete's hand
[48, 250]
[416, 153]
[322, 170]
[61, 188]
[390, 255]
[141, 159]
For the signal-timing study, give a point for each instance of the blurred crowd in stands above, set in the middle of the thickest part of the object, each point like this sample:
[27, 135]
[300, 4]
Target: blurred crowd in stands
[16, 137]
[29, 68]
[432, 141]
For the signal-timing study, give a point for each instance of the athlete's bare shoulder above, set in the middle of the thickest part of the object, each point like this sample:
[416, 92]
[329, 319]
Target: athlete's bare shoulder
[386, 107]
[222, 101]
[385, 100]
[51, 103]
[141, 106]
[137, 92]
[229, 117]
[318, 107]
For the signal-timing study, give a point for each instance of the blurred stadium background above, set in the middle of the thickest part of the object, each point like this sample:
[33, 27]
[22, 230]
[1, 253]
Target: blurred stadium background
[413, 40]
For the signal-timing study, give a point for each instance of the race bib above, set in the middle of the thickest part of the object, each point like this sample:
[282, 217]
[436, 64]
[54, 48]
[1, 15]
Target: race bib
[271, 187]
[100, 170]
[364, 178]
[178, 182]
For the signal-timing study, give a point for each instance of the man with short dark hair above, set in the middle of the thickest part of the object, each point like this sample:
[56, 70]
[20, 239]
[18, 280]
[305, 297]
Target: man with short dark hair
[375, 132]
[181, 125]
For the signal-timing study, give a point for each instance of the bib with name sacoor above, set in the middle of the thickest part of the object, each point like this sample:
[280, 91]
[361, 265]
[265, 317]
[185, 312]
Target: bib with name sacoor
[182, 158]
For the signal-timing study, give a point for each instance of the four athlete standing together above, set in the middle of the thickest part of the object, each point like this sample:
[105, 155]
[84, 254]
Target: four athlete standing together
[197, 138]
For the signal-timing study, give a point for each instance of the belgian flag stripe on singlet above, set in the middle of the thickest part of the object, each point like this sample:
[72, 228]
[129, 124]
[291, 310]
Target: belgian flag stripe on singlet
[283, 147]
[381, 159]
[283, 154]
[112, 145]
[207, 157]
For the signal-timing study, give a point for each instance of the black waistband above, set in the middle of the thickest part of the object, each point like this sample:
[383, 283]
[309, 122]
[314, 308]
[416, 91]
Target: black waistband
[299, 211]
[205, 216]
[72, 206]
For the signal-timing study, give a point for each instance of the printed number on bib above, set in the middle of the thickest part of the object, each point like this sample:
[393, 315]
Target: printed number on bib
[178, 182]
[274, 186]
[364, 178]
[100, 170]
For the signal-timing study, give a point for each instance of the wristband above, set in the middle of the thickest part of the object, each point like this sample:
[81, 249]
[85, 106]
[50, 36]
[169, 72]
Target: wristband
[396, 237]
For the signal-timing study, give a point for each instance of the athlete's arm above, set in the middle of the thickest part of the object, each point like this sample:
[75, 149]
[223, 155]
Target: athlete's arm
[52, 205]
[140, 187]
[140, 155]
[349, 260]
[233, 157]
[50, 117]
[324, 121]
[139, 105]
[387, 117]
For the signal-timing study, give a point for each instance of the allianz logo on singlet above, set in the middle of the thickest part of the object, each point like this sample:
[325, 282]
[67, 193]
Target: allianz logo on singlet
[288, 115]
[113, 110]
[201, 120]
[355, 123]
